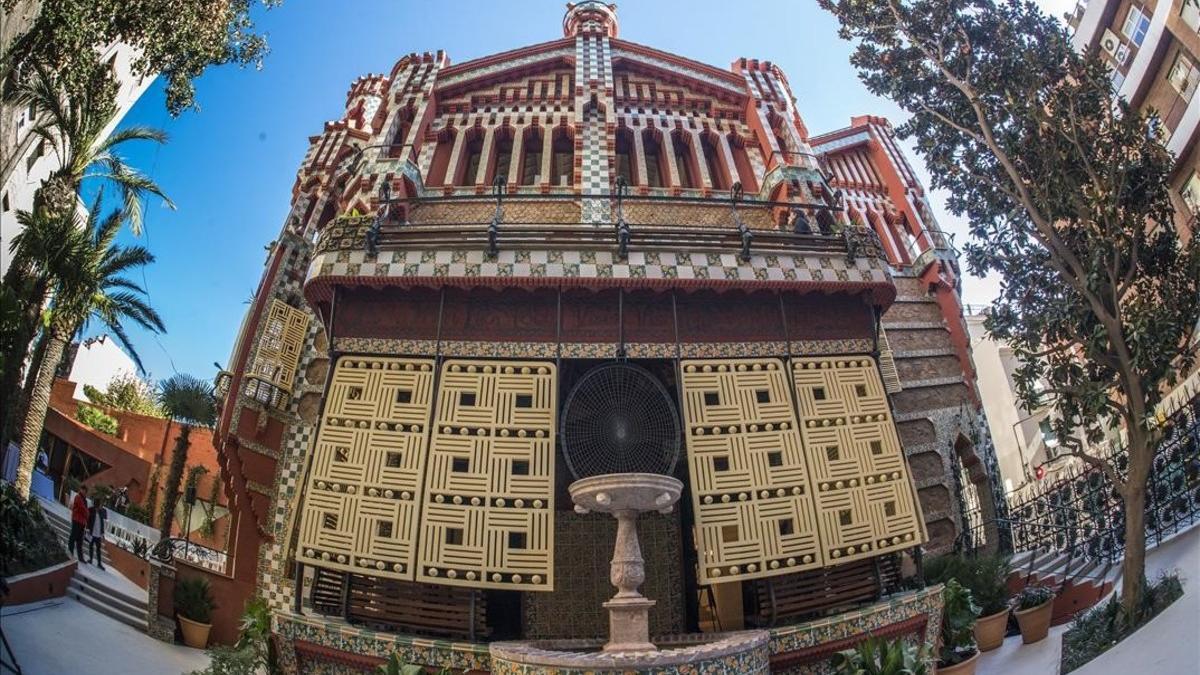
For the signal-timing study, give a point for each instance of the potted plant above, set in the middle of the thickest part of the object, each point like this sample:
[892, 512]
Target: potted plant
[881, 657]
[959, 611]
[987, 577]
[1034, 607]
[193, 607]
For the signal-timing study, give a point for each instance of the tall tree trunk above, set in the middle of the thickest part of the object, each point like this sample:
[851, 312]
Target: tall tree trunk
[174, 478]
[39, 403]
[1133, 567]
[16, 346]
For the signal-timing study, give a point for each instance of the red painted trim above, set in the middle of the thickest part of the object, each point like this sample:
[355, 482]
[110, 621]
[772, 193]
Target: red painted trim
[635, 48]
[509, 55]
[825, 650]
[321, 288]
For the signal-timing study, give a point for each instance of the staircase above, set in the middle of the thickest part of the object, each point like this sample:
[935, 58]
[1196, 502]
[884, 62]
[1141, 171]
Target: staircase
[1079, 583]
[105, 591]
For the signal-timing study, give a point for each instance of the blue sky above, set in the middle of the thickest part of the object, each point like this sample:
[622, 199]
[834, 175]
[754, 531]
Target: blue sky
[230, 166]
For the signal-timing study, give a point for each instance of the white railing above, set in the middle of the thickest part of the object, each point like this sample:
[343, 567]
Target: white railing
[127, 532]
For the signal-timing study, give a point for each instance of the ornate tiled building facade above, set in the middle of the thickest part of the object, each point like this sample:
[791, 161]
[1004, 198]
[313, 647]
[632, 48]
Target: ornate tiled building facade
[468, 241]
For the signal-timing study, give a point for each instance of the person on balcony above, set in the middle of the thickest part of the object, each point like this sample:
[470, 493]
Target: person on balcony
[79, 522]
[97, 519]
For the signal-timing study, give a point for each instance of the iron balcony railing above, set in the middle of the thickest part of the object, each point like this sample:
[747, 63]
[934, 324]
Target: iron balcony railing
[749, 225]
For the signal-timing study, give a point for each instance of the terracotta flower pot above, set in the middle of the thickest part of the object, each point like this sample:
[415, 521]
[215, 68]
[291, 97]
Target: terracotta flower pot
[965, 668]
[195, 634]
[989, 630]
[1035, 621]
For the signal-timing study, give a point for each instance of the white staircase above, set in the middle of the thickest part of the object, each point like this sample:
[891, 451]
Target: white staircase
[105, 591]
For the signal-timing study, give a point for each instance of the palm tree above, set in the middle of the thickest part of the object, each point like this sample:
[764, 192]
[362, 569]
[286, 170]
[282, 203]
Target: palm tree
[76, 129]
[87, 285]
[189, 401]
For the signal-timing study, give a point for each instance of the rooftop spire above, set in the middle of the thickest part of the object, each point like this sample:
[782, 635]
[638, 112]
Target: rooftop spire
[590, 17]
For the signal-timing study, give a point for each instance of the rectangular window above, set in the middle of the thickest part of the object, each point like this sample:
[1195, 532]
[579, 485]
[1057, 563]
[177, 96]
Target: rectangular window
[1137, 24]
[1182, 75]
[1190, 13]
[38, 151]
[1191, 193]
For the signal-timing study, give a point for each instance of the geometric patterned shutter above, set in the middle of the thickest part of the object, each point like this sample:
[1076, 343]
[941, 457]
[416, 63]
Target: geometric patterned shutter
[489, 504]
[279, 347]
[864, 498]
[750, 488]
[360, 509]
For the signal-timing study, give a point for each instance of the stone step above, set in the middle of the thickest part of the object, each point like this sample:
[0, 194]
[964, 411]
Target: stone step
[109, 608]
[93, 586]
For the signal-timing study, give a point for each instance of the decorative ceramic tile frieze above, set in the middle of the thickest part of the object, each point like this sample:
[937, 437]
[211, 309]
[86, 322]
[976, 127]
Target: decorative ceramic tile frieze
[660, 266]
[598, 350]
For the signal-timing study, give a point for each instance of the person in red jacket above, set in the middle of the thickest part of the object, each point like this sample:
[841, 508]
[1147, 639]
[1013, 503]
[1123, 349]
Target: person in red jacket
[79, 521]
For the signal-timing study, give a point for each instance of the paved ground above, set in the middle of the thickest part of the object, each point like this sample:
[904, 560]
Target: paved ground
[111, 578]
[63, 637]
[1168, 645]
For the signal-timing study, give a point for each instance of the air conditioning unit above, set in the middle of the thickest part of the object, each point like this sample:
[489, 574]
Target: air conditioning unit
[1112, 45]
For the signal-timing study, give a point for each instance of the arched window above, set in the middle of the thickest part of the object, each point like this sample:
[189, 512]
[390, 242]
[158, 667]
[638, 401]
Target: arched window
[469, 163]
[626, 156]
[501, 155]
[741, 161]
[531, 156]
[681, 145]
[654, 159]
[438, 168]
[404, 120]
[563, 164]
[714, 161]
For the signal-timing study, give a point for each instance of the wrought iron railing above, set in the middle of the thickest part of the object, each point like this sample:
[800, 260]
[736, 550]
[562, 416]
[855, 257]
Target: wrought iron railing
[1083, 515]
[178, 548]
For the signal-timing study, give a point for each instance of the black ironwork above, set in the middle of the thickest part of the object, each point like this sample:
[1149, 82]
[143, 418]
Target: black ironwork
[624, 234]
[619, 418]
[167, 550]
[1083, 515]
[735, 196]
[498, 190]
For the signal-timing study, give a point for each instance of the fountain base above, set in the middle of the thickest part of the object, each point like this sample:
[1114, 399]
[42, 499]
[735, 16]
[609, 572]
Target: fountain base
[628, 625]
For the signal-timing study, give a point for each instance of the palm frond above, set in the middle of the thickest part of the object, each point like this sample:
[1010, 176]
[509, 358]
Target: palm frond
[188, 400]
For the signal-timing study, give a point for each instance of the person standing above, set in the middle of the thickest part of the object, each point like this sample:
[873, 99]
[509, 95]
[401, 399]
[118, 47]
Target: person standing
[79, 522]
[97, 519]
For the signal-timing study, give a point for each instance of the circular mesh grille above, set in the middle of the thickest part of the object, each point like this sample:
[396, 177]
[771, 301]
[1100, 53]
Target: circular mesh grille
[619, 419]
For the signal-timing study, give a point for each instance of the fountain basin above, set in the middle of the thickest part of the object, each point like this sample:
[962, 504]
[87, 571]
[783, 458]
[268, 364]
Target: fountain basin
[616, 492]
[734, 652]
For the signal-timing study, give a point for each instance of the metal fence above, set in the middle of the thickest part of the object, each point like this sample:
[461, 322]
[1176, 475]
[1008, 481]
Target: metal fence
[1083, 515]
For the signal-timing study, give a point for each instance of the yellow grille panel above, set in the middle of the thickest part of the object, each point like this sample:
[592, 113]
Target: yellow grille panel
[360, 510]
[864, 498]
[750, 487]
[488, 520]
[279, 346]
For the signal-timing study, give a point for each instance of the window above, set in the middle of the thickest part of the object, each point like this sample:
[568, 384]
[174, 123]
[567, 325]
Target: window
[564, 159]
[1190, 193]
[625, 154]
[4, 202]
[531, 161]
[474, 150]
[38, 151]
[1136, 25]
[714, 163]
[1191, 14]
[1182, 75]
[654, 172]
[439, 167]
[682, 147]
[503, 157]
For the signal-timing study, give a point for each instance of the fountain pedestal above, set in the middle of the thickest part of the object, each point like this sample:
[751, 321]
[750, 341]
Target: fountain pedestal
[625, 495]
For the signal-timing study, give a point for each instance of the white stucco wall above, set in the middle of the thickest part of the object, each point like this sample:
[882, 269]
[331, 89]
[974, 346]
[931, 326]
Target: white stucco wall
[97, 363]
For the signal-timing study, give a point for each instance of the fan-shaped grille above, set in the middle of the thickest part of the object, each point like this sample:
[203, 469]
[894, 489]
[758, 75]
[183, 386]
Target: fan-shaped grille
[619, 419]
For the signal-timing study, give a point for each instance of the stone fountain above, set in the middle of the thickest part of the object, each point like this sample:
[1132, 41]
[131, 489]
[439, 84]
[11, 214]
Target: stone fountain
[625, 495]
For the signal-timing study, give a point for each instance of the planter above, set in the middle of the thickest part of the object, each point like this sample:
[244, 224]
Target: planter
[195, 634]
[990, 630]
[965, 668]
[1035, 621]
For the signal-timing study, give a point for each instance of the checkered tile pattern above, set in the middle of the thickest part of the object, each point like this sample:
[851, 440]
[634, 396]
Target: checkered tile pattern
[598, 264]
